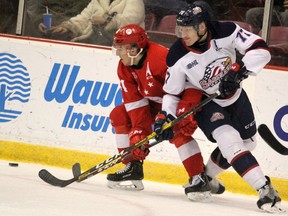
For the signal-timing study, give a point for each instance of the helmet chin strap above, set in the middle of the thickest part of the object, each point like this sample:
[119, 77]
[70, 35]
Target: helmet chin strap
[200, 36]
[133, 57]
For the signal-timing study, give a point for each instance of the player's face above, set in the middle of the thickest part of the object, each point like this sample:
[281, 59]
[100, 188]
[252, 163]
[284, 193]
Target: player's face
[189, 34]
[122, 51]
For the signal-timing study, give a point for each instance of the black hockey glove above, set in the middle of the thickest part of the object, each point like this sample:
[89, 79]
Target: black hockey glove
[231, 80]
[160, 120]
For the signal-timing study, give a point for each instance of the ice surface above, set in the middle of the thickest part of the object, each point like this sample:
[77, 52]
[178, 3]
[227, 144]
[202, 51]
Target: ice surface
[23, 193]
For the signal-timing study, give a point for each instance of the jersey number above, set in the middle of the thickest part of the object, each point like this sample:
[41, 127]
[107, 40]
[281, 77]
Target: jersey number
[243, 35]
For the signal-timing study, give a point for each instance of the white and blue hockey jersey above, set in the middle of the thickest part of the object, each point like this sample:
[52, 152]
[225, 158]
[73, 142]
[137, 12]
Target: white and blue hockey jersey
[202, 66]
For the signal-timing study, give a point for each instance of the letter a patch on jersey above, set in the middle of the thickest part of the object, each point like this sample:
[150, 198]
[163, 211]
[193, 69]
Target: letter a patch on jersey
[148, 72]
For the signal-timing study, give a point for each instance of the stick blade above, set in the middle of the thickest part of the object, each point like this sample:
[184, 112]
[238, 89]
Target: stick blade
[76, 169]
[269, 138]
[47, 177]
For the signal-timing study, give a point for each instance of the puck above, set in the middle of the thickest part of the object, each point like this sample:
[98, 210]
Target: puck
[13, 164]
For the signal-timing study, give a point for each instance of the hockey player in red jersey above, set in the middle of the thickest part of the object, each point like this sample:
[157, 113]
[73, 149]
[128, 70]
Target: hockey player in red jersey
[141, 71]
[205, 55]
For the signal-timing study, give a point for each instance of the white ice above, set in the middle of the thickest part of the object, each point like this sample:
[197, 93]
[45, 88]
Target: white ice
[23, 193]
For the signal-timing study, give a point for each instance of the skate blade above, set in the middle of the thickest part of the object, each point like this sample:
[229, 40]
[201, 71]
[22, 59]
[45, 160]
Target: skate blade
[200, 196]
[276, 209]
[130, 185]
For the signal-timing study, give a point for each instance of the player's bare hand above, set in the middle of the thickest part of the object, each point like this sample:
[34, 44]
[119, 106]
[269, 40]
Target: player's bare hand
[97, 20]
[42, 28]
[59, 30]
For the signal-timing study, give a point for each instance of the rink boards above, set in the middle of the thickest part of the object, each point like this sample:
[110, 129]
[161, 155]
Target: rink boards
[56, 101]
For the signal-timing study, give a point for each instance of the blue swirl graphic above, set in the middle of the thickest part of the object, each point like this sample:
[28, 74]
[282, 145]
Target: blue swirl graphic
[15, 85]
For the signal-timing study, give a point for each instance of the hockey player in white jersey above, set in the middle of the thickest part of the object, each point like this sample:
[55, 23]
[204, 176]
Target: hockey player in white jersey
[205, 56]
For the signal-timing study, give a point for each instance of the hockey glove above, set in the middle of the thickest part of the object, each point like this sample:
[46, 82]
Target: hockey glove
[141, 152]
[160, 120]
[231, 80]
[188, 125]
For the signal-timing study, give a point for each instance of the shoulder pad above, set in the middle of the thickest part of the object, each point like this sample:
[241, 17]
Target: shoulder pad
[222, 29]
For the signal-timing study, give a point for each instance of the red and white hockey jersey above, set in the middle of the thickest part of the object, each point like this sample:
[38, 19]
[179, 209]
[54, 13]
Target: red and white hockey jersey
[142, 88]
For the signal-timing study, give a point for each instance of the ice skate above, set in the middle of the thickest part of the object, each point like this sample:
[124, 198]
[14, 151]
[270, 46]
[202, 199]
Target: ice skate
[129, 178]
[269, 199]
[216, 186]
[198, 188]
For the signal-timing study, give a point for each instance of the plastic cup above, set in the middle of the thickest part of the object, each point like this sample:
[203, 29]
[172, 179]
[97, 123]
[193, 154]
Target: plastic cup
[47, 20]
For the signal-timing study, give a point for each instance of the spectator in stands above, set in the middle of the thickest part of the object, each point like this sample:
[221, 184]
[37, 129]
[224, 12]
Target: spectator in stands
[61, 10]
[98, 22]
[254, 16]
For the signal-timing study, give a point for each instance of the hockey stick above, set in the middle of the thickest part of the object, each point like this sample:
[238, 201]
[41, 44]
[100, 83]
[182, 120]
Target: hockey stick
[270, 139]
[46, 176]
[50, 179]
[76, 168]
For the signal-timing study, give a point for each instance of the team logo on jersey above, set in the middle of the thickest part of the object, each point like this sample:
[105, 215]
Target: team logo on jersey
[216, 116]
[215, 71]
[135, 132]
[251, 124]
[192, 64]
[15, 87]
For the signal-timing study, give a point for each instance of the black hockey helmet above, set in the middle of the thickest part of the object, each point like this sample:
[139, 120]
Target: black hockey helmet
[195, 13]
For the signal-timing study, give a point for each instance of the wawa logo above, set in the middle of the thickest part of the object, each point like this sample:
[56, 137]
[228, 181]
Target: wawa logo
[15, 87]
[64, 86]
